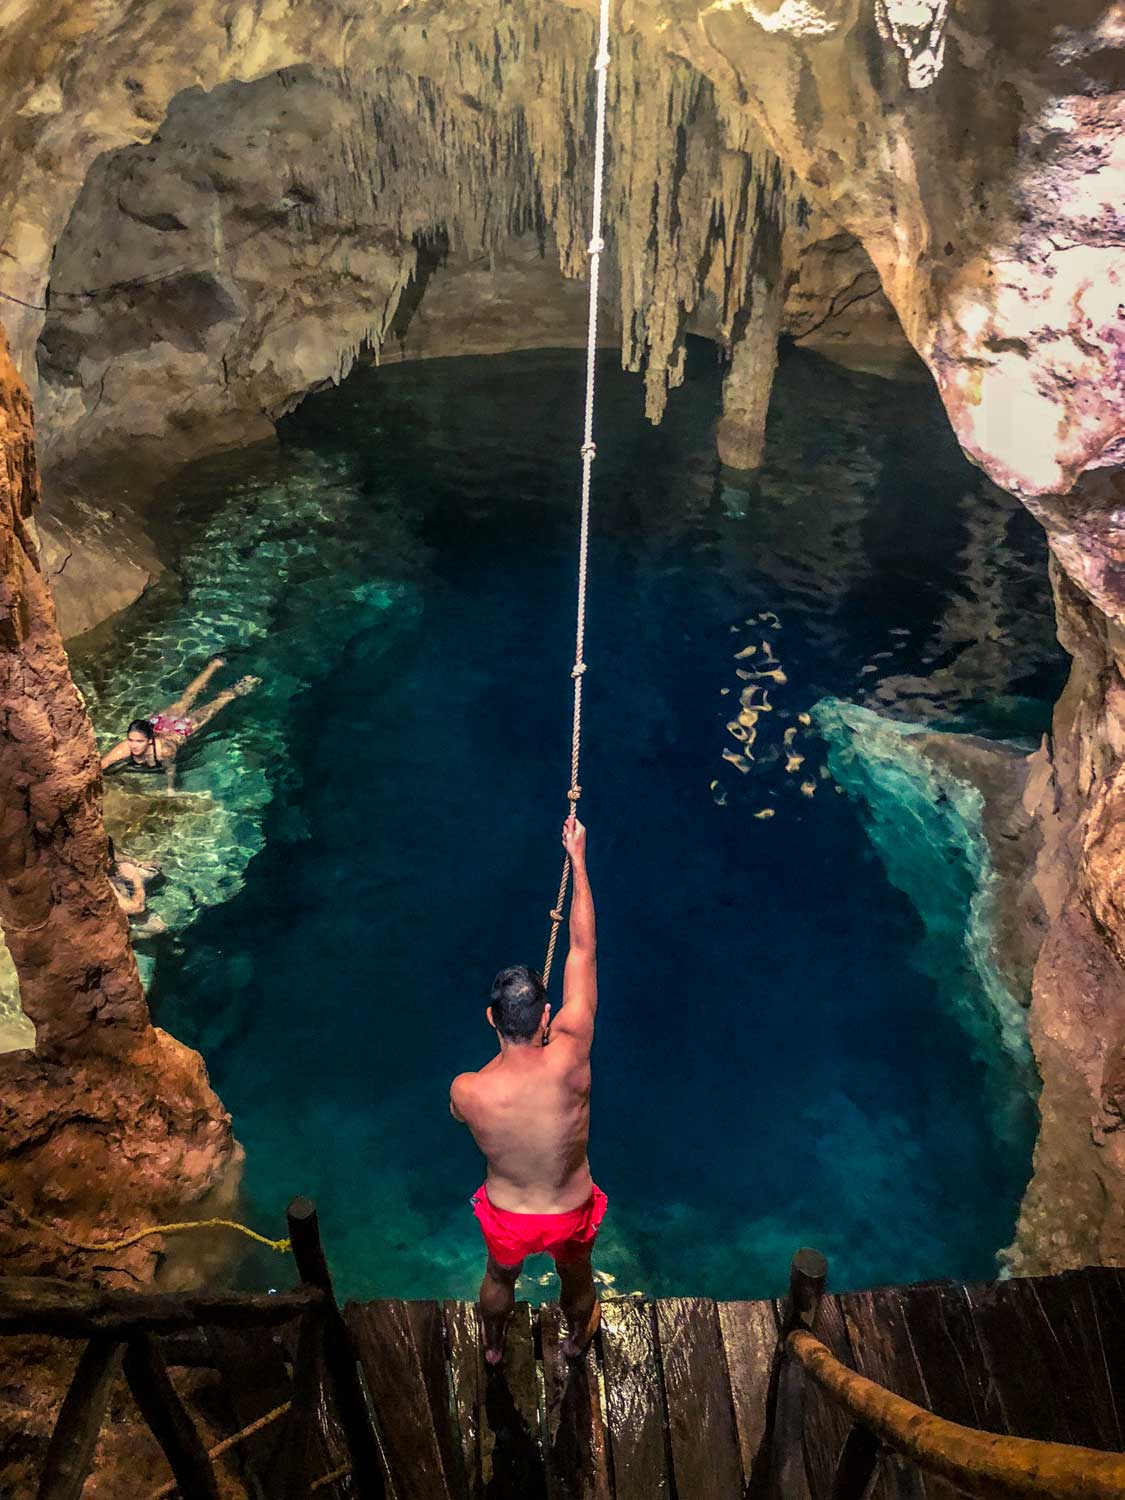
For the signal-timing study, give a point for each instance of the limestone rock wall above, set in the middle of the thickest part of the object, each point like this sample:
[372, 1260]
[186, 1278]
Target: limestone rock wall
[109, 1121]
[1074, 1210]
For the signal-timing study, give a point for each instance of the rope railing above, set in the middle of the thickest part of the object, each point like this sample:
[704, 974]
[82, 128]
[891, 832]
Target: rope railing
[986, 1464]
[589, 453]
[983, 1465]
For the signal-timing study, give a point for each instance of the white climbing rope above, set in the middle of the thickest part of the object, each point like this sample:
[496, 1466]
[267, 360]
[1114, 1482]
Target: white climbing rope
[589, 453]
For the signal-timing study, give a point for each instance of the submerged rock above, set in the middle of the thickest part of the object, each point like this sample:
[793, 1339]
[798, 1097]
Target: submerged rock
[926, 818]
[984, 842]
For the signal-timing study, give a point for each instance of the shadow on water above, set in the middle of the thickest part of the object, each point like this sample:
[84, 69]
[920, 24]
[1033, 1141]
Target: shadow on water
[375, 831]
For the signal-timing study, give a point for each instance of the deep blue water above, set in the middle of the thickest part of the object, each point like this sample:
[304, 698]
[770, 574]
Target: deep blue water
[776, 1062]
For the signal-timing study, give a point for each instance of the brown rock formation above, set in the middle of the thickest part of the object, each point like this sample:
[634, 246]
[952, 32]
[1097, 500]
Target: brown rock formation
[1074, 1210]
[108, 1121]
[66, 933]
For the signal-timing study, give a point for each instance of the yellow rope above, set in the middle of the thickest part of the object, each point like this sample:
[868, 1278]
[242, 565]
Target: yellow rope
[589, 452]
[170, 1487]
[110, 1246]
[324, 1479]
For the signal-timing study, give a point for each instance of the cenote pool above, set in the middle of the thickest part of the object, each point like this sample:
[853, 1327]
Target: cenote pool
[801, 1039]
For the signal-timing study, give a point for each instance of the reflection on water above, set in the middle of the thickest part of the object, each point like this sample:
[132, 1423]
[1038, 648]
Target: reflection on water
[794, 1046]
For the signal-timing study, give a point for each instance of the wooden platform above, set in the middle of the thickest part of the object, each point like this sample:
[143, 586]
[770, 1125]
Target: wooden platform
[675, 1398]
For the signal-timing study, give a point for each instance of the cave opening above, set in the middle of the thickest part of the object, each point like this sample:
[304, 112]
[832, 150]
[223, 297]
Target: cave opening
[198, 249]
[802, 984]
[295, 294]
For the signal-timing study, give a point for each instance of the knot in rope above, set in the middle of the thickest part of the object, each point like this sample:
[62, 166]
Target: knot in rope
[589, 450]
[595, 247]
[573, 795]
[556, 915]
[578, 669]
[601, 62]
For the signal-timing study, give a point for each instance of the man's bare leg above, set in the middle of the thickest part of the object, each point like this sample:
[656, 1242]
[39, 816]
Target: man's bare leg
[497, 1299]
[580, 1306]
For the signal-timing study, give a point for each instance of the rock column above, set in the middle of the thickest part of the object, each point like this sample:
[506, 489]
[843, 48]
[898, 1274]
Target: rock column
[67, 935]
[109, 1124]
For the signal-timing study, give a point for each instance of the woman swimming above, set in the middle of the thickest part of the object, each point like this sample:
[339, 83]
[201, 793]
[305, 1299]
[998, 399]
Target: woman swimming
[152, 744]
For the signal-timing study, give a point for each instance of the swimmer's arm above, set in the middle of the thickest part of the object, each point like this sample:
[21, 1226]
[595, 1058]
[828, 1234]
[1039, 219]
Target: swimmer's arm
[580, 977]
[116, 755]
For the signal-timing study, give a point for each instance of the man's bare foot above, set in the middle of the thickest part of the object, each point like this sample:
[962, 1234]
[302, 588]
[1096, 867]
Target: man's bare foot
[493, 1350]
[574, 1346]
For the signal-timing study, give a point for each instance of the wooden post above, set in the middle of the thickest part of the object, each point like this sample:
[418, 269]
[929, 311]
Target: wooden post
[788, 1481]
[807, 1277]
[292, 1475]
[79, 1421]
[356, 1417]
[164, 1412]
[855, 1467]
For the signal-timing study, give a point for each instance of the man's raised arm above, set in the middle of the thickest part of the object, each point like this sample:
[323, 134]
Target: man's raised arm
[580, 977]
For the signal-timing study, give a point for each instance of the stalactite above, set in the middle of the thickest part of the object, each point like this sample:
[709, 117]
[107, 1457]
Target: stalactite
[491, 138]
[917, 29]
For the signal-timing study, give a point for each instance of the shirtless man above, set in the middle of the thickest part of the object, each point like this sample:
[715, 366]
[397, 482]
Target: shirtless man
[529, 1112]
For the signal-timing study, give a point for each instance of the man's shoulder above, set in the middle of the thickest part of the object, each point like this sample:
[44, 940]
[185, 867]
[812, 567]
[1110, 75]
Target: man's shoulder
[463, 1083]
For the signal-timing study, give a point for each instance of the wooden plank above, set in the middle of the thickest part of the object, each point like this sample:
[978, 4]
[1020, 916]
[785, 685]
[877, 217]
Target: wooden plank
[882, 1351]
[1024, 1360]
[1105, 1288]
[749, 1334]
[41, 1305]
[1078, 1376]
[71, 1451]
[701, 1425]
[574, 1437]
[510, 1413]
[466, 1369]
[384, 1343]
[429, 1337]
[943, 1333]
[635, 1415]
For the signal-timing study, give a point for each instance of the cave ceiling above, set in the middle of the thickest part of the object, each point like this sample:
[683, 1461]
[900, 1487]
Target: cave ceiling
[207, 210]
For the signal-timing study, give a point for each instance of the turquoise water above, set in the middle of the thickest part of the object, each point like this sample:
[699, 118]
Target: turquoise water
[802, 1039]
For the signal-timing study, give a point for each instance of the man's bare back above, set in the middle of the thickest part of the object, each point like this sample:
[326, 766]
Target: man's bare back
[529, 1112]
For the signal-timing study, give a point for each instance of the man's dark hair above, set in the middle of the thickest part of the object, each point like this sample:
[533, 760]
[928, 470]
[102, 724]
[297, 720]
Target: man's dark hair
[518, 998]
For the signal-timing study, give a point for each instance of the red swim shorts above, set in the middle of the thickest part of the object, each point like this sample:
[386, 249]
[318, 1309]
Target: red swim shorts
[567, 1237]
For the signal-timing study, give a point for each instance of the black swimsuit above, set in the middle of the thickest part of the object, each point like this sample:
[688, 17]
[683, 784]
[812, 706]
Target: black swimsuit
[132, 764]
